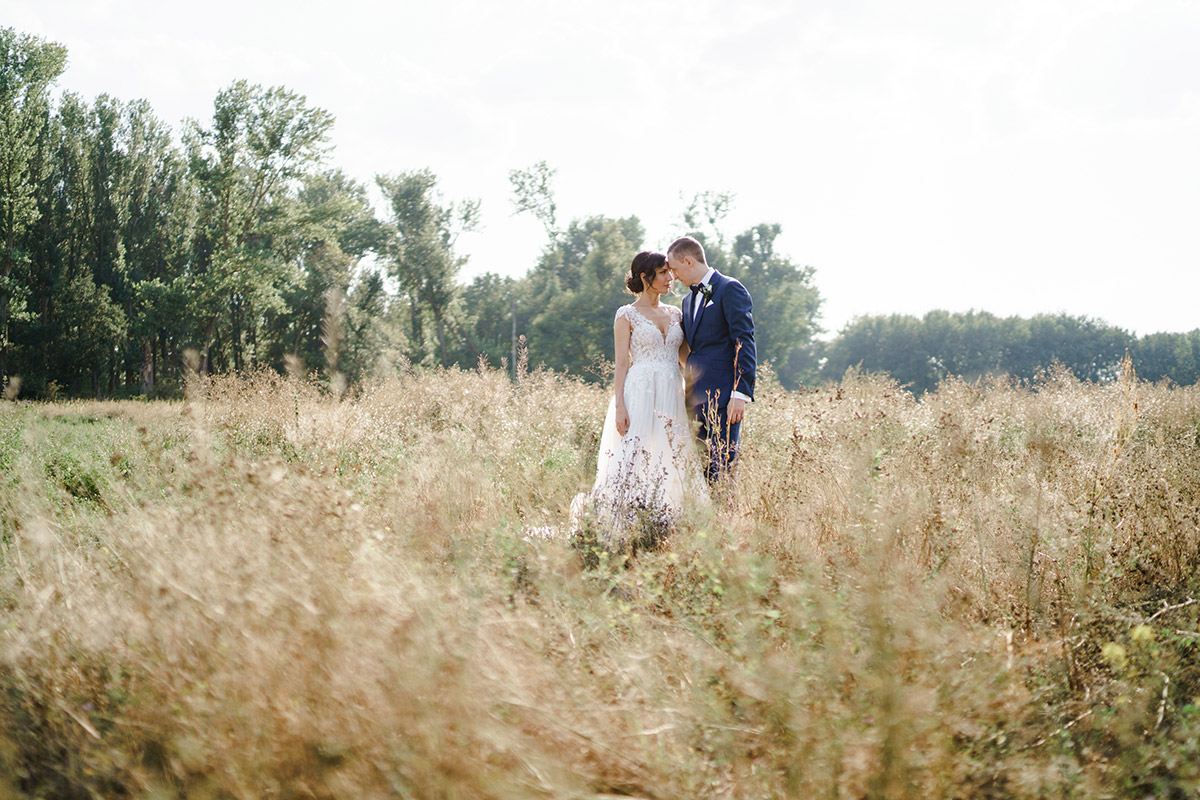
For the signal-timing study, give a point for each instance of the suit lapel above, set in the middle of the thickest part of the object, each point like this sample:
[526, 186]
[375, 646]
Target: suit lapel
[687, 318]
[713, 284]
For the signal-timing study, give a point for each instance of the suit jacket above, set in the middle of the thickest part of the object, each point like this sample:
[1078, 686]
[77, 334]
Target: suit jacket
[717, 363]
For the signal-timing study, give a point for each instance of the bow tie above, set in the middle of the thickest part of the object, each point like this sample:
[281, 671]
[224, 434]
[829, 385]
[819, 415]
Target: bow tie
[701, 288]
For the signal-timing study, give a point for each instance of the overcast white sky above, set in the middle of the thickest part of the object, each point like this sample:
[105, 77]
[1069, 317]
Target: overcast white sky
[1015, 157]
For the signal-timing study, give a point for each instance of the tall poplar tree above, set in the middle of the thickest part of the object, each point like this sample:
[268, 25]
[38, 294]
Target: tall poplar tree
[28, 68]
[159, 220]
[260, 143]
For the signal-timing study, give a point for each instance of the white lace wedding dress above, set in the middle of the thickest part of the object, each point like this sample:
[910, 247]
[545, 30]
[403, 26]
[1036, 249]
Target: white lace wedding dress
[650, 473]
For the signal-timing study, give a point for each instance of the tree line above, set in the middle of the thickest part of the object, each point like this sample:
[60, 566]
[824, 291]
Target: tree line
[124, 247]
[921, 352]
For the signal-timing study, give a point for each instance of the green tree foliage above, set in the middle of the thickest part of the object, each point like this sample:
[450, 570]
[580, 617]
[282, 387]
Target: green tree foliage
[115, 205]
[704, 220]
[786, 304]
[889, 344]
[968, 345]
[1088, 347]
[575, 290]
[501, 310]
[1168, 356]
[423, 260]
[158, 213]
[564, 306]
[120, 249]
[332, 233]
[533, 193]
[92, 328]
[125, 250]
[55, 244]
[786, 301]
[29, 66]
[921, 352]
[246, 166]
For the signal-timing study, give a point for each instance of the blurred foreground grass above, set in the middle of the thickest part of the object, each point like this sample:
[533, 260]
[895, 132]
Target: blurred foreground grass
[263, 592]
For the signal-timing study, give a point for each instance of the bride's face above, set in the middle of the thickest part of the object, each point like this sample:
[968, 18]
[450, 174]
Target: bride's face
[662, 280]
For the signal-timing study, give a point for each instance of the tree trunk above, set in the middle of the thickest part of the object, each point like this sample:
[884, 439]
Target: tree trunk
[128, 348]
[210, 333]
[252, 337]
[441, 336]
[147, 367]
[158, 347]
[46, 370]
[6, 265]
[415, 316]
[3, 335]
[466, 335]
[236, 336]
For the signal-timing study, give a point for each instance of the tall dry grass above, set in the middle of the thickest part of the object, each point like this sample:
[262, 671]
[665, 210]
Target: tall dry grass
[266, 592]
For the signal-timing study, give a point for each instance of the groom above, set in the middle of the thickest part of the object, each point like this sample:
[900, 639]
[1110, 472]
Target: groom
[719, 329]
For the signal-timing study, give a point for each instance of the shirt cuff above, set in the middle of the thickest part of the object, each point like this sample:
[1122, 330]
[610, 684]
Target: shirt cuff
[739, 396]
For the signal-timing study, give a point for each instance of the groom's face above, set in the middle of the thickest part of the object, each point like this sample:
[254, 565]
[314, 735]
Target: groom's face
[673, 265]
[682, 268]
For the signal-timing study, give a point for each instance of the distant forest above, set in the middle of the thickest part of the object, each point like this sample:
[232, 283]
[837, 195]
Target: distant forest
[124, 247]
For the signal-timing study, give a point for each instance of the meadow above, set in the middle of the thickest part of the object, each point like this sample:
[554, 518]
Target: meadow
[269, 591]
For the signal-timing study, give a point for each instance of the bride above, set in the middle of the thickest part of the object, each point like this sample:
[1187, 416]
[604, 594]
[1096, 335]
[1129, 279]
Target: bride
[645, 467]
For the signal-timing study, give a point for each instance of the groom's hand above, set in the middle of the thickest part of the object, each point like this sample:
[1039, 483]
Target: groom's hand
[736, 410]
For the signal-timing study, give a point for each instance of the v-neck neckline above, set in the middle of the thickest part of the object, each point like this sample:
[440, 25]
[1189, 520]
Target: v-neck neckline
[665, 333]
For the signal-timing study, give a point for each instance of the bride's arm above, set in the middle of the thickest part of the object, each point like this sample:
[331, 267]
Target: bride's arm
[684, 350]
[621, 334]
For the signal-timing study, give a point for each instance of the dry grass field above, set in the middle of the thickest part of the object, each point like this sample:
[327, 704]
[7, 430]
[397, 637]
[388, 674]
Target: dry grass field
[266, 592]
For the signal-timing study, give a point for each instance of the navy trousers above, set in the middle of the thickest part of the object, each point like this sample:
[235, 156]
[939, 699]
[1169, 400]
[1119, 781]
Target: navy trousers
[720, 440]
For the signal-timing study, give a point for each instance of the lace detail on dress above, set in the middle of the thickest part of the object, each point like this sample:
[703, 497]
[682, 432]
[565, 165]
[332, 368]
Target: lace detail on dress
[647, 345]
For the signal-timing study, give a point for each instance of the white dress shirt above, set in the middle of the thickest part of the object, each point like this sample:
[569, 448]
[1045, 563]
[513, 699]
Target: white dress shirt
[705, 281]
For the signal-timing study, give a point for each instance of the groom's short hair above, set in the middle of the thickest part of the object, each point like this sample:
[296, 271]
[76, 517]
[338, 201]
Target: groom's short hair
[687, 246]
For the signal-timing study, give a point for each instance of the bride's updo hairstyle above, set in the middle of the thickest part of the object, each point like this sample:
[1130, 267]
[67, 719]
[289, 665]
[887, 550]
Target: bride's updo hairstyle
[643, 269]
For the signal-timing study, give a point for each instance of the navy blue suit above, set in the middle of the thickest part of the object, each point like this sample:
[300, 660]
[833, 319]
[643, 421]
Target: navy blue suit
[722, 360]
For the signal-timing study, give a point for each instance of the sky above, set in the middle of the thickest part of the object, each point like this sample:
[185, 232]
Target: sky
[1010, 156]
